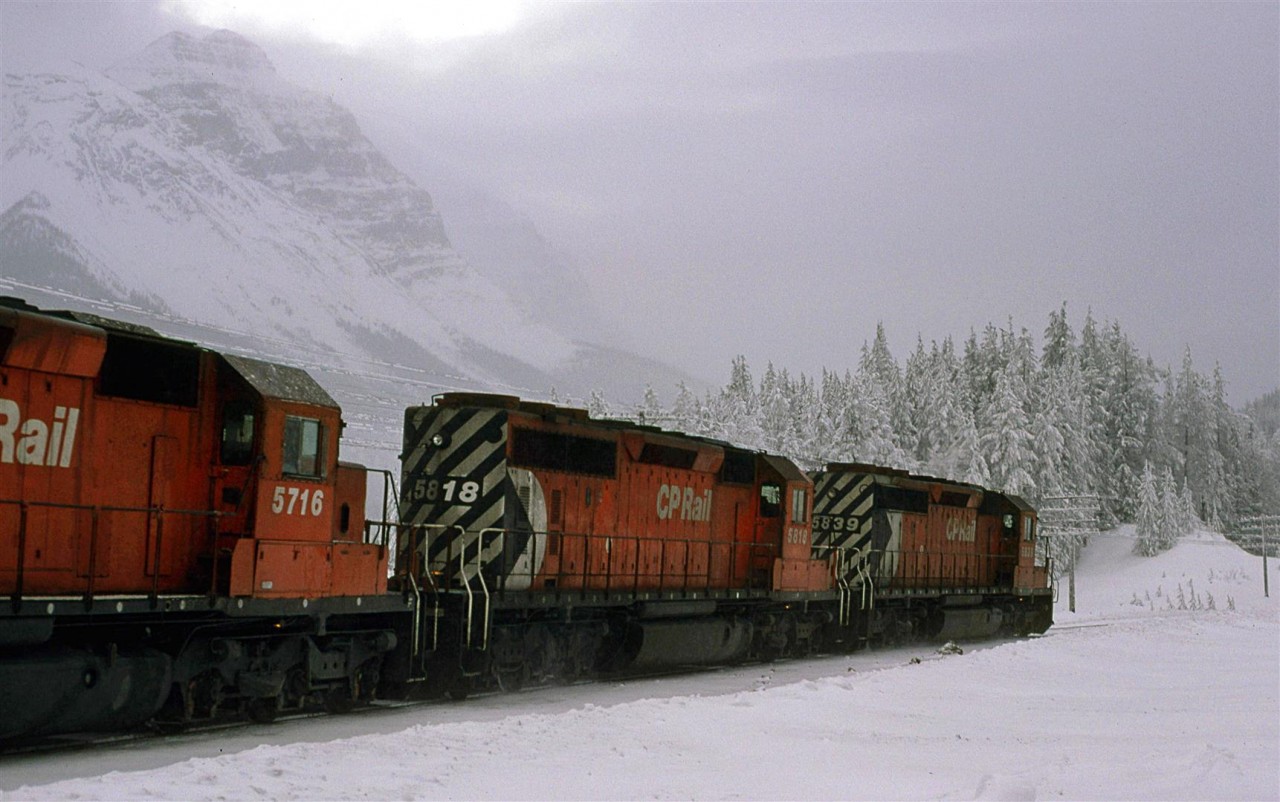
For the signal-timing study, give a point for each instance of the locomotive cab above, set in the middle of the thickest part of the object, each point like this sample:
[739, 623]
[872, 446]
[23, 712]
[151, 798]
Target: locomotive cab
[291, 512]
[785, 524]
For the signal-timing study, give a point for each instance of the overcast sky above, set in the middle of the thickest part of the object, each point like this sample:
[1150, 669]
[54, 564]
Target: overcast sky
[772, 179]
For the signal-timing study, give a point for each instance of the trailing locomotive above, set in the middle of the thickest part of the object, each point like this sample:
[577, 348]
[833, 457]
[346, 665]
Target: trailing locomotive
[179, 542]
[932, 558]
[556, 545]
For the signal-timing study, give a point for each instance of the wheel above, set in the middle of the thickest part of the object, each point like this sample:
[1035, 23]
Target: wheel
[459, 689]
[339, 701]
[263, 710]
[203, 696]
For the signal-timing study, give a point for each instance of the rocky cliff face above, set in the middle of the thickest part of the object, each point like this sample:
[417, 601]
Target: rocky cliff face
[191, 184]
[229, 103]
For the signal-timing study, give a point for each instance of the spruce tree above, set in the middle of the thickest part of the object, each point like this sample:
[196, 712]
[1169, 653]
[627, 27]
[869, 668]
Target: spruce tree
[1006, 443]
[1148, 521]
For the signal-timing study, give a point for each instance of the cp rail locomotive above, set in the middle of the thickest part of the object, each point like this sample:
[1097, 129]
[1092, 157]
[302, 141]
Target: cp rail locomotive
[180, 542]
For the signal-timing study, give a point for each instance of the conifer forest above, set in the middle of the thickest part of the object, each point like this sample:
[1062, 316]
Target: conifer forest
[1078, 416]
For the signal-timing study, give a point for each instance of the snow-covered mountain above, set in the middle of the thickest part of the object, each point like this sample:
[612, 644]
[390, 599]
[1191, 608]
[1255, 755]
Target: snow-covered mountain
[191, 183]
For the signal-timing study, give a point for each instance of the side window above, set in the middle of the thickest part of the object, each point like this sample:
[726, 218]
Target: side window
[770, 500]
[1028, 528]
[237, 435]
[799, 502]
[303, 447]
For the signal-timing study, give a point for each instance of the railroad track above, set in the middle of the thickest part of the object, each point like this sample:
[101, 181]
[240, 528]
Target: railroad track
[163, 735]
[160, 733]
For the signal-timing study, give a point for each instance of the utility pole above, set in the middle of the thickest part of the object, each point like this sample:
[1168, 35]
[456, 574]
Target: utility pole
[1266, 580]
[1069, 521]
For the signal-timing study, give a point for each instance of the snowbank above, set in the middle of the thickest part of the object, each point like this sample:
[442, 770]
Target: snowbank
[1203, 571]
[1119, 701]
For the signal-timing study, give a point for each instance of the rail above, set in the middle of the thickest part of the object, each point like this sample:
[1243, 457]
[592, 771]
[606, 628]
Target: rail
[22, 522]
[379, 532]
[511, 560]
[67, 521]
[499, 562]
[907, 570]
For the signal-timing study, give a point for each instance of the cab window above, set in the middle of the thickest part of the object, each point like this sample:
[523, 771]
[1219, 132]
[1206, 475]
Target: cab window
[770, 500]
[799, 503]
[303, 447]
[237, 435]
[1028, 528]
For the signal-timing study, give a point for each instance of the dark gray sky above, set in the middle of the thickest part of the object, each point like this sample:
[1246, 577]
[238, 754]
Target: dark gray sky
[772, 179]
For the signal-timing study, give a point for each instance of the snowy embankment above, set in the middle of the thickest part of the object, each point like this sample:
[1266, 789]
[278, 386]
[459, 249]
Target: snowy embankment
[1125, 699]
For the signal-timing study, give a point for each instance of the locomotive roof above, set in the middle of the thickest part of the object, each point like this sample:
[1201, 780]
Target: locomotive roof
[897, 473]
[785, 467]
[280, 382]
[574, 414]
[111, 324]
[88, 319]
[1019, 502]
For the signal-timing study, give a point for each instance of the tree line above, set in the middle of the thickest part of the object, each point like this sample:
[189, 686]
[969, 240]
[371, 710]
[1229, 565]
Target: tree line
[1081, 415]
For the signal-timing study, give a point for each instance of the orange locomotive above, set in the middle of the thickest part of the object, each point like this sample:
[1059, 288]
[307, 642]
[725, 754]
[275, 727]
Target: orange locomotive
[553, 544]
[175, 532]
[931, 557]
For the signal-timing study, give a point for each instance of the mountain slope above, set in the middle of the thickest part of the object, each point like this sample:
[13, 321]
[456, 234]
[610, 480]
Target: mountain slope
[194, 183]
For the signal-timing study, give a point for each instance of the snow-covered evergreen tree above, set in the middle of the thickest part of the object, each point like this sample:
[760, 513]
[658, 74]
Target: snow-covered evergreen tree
[684, 410]
[597, 406]
[739, 409]
[1170, 511]
[1086, 416]
[649, 410]
[1187, 519]
[1006, 442]
[1149, 518]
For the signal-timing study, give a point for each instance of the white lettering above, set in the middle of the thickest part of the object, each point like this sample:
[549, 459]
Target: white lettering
[69, 439]
[55, 439]
[296, 501]
[35, 439]
[691, 506]
[962, 530]
[11, 414]
[797, 535]
[30, 442]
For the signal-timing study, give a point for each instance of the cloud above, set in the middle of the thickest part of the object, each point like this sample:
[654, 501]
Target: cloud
[356, 25]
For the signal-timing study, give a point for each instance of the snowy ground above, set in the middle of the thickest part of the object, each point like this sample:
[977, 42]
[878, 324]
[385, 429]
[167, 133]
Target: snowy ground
[1131, 697]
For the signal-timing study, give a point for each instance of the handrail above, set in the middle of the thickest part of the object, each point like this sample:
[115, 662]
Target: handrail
[615, 561]
[514, 560]
[156, 514]
[384, 526]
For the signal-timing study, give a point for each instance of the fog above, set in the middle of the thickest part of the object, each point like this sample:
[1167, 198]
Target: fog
[773, 179]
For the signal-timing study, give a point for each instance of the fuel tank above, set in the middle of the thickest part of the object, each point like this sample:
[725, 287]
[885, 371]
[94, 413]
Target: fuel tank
[59, 690]
[667, 643]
